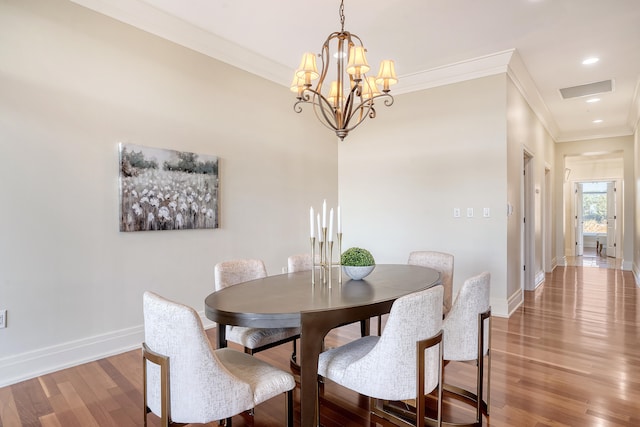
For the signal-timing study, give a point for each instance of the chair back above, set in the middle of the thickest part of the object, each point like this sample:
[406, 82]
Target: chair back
[461, 324]
[388, 371]
[441, 262]
[200, 387]
[301, 262]
[229, 273]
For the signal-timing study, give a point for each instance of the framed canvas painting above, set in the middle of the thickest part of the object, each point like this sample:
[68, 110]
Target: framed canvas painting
[167, 189]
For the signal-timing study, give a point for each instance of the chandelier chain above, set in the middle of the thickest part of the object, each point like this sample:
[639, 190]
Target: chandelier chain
[342, 16]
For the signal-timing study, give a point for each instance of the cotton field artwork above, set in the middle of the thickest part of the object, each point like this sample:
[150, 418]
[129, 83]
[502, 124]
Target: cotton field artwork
[167, 189]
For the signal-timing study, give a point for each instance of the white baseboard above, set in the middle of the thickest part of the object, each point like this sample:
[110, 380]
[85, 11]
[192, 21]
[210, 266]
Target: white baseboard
[515, 301]
[504, 308]
[31, 364]
[539, 279]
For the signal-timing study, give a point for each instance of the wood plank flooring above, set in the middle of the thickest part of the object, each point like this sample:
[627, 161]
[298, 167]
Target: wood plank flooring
[569, 356]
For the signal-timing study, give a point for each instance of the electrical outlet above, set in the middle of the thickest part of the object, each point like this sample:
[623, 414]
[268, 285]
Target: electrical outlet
[3, 318]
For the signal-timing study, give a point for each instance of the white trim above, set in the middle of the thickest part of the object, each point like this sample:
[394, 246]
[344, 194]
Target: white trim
[525, 84]
[505, 308]
[474, 68]
[162, 24]
[626, 265]
[31, 364]
[539, 279]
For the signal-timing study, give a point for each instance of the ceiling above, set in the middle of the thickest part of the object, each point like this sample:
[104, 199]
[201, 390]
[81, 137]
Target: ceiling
[540, 43]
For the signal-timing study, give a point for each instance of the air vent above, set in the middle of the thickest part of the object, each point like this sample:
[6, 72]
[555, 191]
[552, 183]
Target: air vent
[587, 90]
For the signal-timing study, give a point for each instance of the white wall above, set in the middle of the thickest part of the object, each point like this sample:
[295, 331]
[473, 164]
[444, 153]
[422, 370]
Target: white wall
[74, 83]
[399, 184]
[525, 133]
[622, 146]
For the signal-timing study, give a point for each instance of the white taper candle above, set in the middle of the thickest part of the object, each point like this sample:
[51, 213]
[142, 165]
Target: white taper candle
[312, 226]
[330, 225]
[324, 213]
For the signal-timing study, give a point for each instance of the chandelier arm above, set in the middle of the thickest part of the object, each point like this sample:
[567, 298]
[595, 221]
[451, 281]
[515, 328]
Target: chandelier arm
[318, 102]
[348, 106]
[372, 111]
[322, 108]
[362, 111]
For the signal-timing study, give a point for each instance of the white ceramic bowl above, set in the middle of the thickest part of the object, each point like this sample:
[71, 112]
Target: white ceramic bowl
[357, 272]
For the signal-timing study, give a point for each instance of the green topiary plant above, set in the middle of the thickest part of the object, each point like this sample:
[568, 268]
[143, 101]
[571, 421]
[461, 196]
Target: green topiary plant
[357, 257]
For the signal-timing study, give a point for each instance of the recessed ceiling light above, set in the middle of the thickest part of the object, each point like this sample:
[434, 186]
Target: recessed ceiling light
[592, 100]
[590, 61]
[597, 121]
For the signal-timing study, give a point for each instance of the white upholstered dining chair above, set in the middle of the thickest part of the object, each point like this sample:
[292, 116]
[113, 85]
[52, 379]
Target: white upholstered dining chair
[300, 262]
[467, 337]
[387, 367]
[186, 381]
[441, 262]
[229, 273]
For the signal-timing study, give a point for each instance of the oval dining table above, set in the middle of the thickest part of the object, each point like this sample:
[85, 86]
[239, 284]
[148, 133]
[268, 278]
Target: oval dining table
[291, 300]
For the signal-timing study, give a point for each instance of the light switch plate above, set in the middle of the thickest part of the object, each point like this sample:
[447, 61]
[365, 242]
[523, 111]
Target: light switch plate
[456, 212]
[469, 212]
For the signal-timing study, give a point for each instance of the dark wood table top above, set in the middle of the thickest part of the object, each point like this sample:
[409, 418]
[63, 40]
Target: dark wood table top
[279, 300]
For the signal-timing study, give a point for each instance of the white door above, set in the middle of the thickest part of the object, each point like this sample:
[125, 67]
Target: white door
[611, 219]
[578, 220]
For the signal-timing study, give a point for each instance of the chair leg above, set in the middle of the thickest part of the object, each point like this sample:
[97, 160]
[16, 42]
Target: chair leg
[482, 406]
[410, 416]
[288, 407]
[165, 397]
[477, 398]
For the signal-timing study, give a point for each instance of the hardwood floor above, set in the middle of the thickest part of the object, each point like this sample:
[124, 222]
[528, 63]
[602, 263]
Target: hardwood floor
[569, 356]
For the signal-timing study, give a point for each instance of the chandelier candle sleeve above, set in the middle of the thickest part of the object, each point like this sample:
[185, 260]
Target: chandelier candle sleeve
[319, 229]
[311, 224]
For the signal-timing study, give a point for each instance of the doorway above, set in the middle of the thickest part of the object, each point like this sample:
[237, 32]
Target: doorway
[528, 221]
[595, 219]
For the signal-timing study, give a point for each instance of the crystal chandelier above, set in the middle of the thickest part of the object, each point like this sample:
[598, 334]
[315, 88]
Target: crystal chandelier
[349, 99]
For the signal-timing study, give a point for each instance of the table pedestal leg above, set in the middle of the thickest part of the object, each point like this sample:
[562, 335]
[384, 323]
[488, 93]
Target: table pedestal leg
[314, 329]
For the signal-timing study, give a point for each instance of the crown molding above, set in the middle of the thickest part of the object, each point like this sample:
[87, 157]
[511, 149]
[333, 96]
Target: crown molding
[142, 15]
[521, 78]
[483, 66]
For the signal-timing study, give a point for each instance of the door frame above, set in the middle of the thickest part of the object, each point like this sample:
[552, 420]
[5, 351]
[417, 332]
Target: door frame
[527, 222]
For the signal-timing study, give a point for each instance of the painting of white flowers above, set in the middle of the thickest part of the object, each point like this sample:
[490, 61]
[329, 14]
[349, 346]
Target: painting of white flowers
[167, 189]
